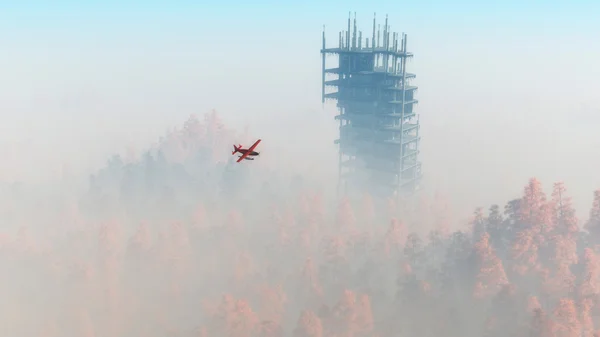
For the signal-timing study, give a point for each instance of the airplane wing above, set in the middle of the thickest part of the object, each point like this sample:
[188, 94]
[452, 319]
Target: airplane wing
[243, 156]
[253, 146]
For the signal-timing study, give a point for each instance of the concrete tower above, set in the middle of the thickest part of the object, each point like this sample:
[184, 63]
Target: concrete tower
[379, 129]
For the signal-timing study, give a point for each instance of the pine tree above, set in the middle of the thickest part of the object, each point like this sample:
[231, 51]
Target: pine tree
[395, 237]
[589, 284]
[491, 276]
[565, 220]
[566, 322]
[593, 223]
[309, 325]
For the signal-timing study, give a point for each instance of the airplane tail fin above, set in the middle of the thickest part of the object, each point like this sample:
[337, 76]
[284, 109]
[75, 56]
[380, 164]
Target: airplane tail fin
[235, 149]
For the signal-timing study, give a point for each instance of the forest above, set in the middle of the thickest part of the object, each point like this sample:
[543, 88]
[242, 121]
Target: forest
[179, 242]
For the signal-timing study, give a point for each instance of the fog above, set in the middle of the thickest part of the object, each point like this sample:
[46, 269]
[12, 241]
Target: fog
[123, 213]
[524, 88]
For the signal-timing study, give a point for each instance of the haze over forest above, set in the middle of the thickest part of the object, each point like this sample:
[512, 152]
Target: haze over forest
[122, 213]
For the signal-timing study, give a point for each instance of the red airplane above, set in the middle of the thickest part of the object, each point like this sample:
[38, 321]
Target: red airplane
[245, 152]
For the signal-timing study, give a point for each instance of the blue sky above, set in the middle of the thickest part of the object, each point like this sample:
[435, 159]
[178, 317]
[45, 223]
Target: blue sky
[522, 14]
[90, 76]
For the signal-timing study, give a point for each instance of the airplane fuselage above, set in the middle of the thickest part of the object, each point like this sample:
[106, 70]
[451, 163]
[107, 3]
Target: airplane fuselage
[253, 153]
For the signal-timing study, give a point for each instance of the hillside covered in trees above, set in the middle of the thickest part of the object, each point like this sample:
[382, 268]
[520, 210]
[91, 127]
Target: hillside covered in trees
[172, 243]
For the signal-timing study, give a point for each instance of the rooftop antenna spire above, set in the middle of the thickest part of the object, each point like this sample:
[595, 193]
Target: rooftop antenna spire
[348, 33]
[385, 33]
[374, 27]
[323, 70]
[354, 32]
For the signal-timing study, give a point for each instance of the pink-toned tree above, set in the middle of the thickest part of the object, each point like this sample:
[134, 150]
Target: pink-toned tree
[566, 319]
[140, 243]
[412, 289]
[413, 249]
[589, 283]
[533, 208]
[109, 239]
[345, 314]
[305, 239]
[335, 269]
[345, 219]
[585, 317]
[422, 210]
[491, 276]
[541, 325]
[564, 217]
[304, 208]
[478, 227]
[359, 243]
[245, 268]
[507, 313]
[269, 329]
[524, 251]
[309, 291]
[245, 321]
[593, 223]
[500, 231]
[392, 208]
[364, 321]
[309, 325]
[395, 237]
[318, 210]
[533, 303]
[179, 259]
[564, 254]
[533, 221]
[273, 303]
[233, 317]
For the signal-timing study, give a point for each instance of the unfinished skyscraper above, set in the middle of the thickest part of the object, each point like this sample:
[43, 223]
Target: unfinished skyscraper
[379, 130]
